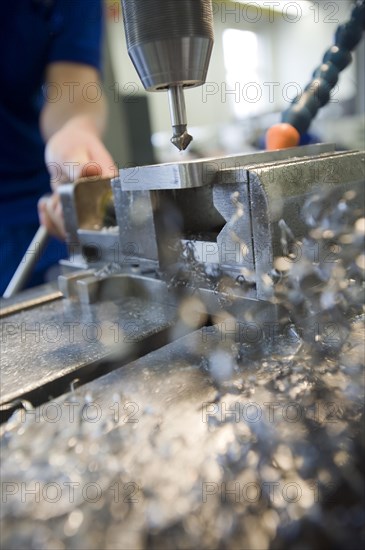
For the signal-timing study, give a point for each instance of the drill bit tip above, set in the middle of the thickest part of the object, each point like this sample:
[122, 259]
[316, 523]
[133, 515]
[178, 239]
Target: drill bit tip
[181, 140]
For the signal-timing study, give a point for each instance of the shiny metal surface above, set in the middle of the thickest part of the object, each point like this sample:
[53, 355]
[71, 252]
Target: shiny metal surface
[170, 45]
[64, 337]
[137, 232]
[94, 289]
[197, 173]
[180, 138]
[177, 106]
[30, 258]
[175, 458]
[278, 192]
[169, 42]
[225, 209]
[245, 433]
[173, 61]
[22, 305]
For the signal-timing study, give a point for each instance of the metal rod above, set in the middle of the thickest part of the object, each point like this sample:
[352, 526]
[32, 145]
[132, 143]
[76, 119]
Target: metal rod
[29, 304]
[27, 263]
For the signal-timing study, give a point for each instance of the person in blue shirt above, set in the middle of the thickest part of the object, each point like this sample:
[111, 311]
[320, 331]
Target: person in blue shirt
[52, 116]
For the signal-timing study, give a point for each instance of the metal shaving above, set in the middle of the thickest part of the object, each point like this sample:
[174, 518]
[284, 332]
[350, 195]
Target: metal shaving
[265, 452]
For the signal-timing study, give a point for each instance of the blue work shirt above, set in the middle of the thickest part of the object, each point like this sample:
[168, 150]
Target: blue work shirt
[34, 34]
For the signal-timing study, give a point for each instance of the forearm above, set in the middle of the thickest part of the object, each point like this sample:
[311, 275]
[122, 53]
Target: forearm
[72, 126]
[73, 105]
[72, 129]
[91, 116]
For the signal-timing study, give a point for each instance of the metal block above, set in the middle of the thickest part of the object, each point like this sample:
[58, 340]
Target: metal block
[197, 173]
[229, 208]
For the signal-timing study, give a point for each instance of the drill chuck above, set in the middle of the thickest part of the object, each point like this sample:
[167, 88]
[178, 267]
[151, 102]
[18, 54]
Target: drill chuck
[170, 43]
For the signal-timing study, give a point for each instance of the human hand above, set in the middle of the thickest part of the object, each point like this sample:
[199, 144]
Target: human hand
[51, 215]
[76, 151]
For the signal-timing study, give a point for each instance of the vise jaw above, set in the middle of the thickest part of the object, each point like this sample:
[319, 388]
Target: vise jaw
[225, 212]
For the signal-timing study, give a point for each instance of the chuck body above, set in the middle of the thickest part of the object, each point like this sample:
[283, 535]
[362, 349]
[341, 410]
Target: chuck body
[170, 44]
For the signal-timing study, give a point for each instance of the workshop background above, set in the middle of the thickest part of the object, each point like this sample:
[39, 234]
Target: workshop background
[263, 56]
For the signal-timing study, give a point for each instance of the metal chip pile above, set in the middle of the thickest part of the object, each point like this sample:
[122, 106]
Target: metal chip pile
[251, 445]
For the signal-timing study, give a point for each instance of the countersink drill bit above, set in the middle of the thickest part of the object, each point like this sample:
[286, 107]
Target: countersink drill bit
[180, 138]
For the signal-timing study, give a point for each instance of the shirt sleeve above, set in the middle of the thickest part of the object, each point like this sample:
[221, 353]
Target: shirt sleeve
[77, 32]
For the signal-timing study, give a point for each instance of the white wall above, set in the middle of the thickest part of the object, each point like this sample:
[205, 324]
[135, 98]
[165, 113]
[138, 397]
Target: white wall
[298, 48]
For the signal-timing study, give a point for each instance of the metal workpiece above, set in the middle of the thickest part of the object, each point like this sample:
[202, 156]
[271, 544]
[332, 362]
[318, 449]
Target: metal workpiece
[180, 138]
[221, 204]
[224, 212]
[200, 172]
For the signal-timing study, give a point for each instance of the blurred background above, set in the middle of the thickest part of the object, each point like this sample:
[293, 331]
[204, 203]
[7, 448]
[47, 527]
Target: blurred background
[264, 55]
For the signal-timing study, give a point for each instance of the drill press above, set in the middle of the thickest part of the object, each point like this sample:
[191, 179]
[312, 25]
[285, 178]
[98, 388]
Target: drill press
[170, 43]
